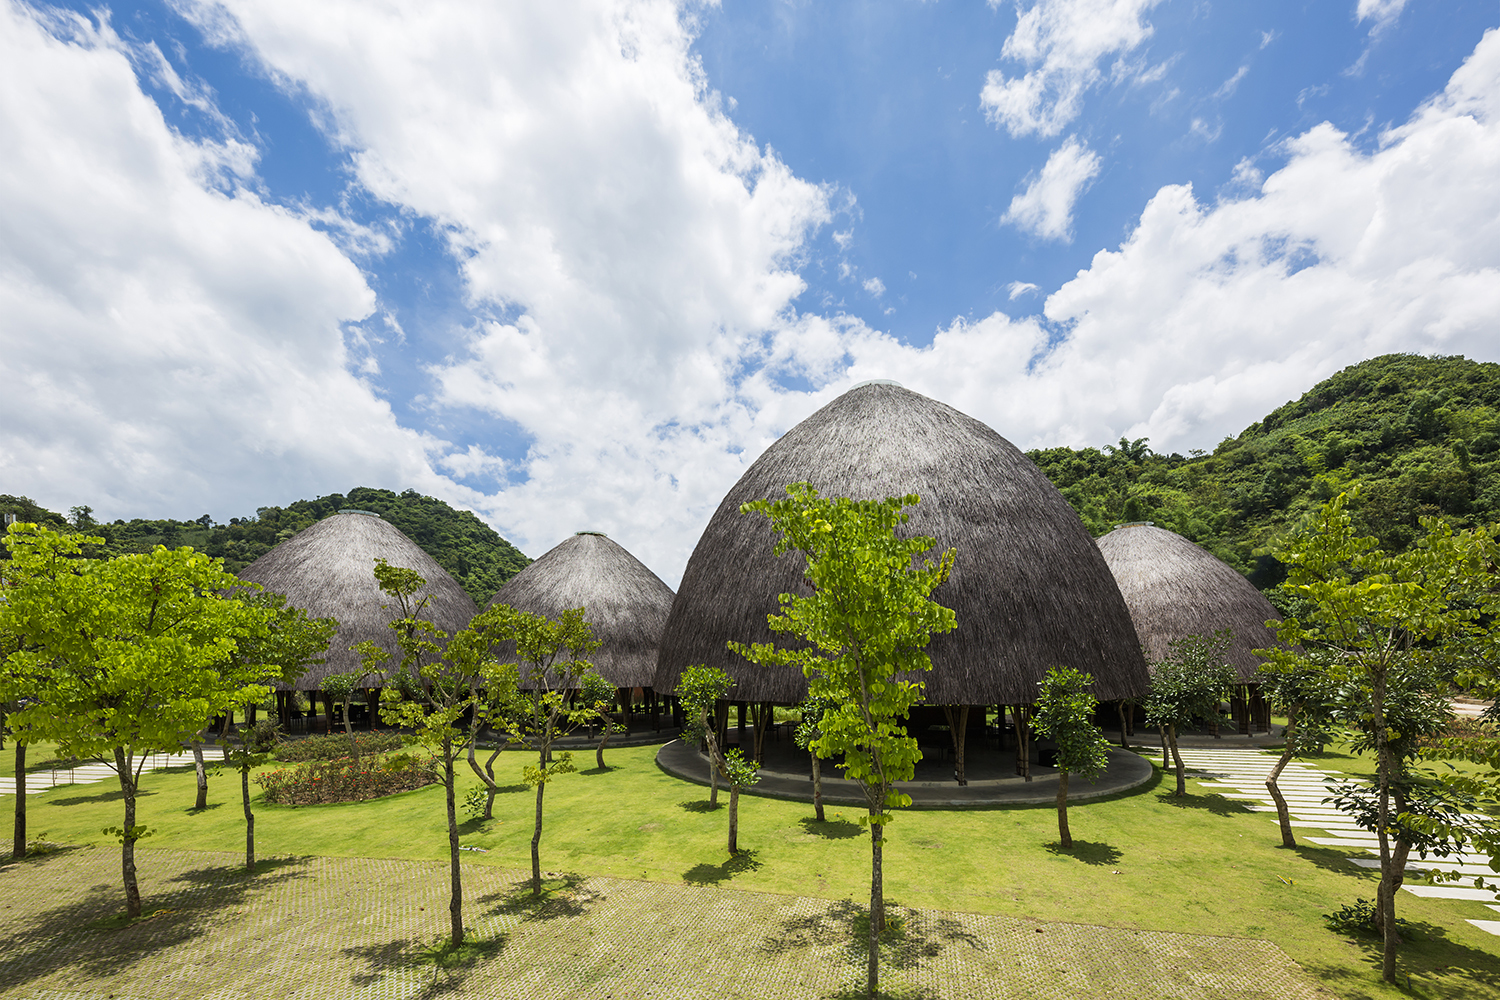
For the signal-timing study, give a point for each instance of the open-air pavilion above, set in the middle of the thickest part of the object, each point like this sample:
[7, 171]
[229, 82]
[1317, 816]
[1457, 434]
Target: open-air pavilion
[328, 570]
[625, 604]
[1030, 588]
[1175, 588]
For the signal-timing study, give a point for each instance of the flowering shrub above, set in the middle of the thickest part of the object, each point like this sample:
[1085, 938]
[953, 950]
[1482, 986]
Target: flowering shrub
[342, 780]
[335, 746]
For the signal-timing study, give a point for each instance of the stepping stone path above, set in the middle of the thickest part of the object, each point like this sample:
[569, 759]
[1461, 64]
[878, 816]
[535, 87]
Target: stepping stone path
[88, 772]
[1241, 774]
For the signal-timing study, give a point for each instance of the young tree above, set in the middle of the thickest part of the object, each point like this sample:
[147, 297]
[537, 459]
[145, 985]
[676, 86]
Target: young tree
[1065, 711]
[1186, 689]
[866, 624]
[805, 735]
[550, 658]
[450, 670]
[1303, 692]
[130, 654]
[598, 695]
[699, 689]
[341, 688]
[253, 749]
[1385, 624]
[496, 703]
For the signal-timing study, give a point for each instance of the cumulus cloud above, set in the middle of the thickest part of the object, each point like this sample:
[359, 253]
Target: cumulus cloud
[1063, 43]
[875, 287]
[1211, 313]
[169, 339]
[1045, 208]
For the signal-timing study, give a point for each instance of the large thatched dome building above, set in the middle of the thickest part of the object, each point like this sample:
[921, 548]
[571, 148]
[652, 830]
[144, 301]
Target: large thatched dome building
[1030, 588]
[1175, 588]
[329, 571]
[625, 604]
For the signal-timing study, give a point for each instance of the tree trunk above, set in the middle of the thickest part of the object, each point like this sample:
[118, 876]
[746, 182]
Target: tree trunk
[957, 730]
[127, 845]
[713, 771]
[536, 840]
[1177, 760]
[604, 727]
[1124, 736]
[249, 819]
[1063, 836]
[734, 819]
[18, 844]
[817, 769]
[456, 900]
[486, 775]
[1385, 900]
[1287, 840]
[877, 902]
[1023, 742]
[202, 775]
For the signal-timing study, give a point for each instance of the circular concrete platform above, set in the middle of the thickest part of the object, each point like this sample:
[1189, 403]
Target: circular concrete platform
[1127, 770]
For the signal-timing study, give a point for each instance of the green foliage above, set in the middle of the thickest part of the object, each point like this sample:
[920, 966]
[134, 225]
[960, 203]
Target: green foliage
[699, 689]
[1187, 686]
[1357, 917]
[337, 745]
[1065, 712]
[1421, 434]
[868, 619]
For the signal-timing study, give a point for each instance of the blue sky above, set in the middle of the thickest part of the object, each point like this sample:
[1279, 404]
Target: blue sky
[575, 265]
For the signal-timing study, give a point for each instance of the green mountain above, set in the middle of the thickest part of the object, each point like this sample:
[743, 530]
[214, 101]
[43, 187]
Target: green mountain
[1420, 435]
[479, 559]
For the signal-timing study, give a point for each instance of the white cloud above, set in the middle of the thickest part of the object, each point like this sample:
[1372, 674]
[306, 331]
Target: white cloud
[1382, 12]
[590, 184]
[1062, 42]
[1209, 315]
[1020, 288]
[1229, 86]
[1045, 208]
[170, 342]
[875, 287]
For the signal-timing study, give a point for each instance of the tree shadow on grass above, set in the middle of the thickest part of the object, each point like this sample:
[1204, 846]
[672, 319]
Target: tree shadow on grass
[1088, 852]
[831, 829]
[1334, 860]
[112, 796]
[90, 935]
[1438, 967]
[563, 895]
[705, 874]
[450, 967]
[1216, 804]
[606, 769]
[698, 806]
[842, 934]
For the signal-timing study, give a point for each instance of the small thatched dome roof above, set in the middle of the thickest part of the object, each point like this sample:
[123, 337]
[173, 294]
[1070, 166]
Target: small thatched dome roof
[329, 571]
[1174, 588]
[1029, 588]
[624, 603]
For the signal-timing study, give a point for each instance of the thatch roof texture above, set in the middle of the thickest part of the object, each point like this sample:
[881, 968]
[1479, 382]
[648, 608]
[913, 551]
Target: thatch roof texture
[1174, 589]
[625, 604]
[329, 570]
[1029, 588]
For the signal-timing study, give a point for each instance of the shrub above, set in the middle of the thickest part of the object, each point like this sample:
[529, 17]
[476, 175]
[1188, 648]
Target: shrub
[335, 746]
[341, 780]
[1357, 917]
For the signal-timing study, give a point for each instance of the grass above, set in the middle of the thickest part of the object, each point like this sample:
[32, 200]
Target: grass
[1147, 860]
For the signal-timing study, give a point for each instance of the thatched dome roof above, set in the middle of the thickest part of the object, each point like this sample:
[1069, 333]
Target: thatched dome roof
[329, 570]
[624, 603]
[1029, 588]
[1174, 588]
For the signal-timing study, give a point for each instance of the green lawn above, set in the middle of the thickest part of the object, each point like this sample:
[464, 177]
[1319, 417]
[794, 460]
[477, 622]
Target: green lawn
[1145, 860]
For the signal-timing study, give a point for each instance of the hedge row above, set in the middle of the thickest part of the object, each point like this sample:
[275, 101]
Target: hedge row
[343, 780]
[336, 745]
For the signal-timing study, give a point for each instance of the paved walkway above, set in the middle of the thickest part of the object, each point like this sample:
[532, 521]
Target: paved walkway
[1243, 776]
[88, 772]
[313, 928]
[1127, 770]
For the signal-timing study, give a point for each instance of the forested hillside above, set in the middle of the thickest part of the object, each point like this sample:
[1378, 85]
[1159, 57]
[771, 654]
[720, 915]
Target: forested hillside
[1418, 434]
[479, 559]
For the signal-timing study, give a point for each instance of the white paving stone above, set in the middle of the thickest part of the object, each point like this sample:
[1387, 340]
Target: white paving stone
[1450, 892]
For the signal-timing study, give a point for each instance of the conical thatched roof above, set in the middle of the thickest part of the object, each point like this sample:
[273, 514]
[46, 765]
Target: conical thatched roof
[1030, 589]
[329, 570]
[1175, 588]
[624, 603]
